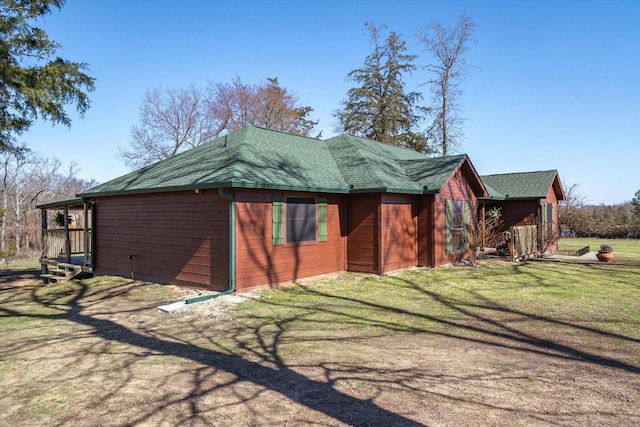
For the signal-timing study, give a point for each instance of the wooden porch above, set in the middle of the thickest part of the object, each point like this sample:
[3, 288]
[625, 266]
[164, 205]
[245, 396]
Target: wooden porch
[67, 249]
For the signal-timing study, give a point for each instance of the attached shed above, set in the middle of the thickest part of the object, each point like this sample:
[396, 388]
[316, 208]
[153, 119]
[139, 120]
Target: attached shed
[259, 207]
[527, 198]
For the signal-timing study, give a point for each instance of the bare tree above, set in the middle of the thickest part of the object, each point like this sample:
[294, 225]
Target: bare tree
[28, 179]
[448, 47]
[64, 184]
[22, 182]
[635, 202]
[174, 120]
[569, 209]
[170, 121]
[237, 105]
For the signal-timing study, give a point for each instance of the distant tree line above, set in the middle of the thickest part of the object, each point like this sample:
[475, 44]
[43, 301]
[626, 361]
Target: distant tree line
[605, 221]
[29, 179]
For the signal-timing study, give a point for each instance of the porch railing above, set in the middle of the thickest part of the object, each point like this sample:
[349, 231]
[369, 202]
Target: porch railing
[55, 243]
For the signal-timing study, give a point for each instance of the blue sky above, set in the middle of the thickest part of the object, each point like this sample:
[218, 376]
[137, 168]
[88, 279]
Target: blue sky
[554, 84]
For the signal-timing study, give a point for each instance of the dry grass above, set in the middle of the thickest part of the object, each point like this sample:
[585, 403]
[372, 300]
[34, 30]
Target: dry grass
[534, 343]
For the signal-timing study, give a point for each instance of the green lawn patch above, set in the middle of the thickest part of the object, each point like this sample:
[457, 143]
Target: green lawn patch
[536, 342]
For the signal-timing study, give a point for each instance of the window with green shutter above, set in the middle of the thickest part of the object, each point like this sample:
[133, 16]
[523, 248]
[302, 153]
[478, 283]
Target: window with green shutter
[299, 219]
[458, 225]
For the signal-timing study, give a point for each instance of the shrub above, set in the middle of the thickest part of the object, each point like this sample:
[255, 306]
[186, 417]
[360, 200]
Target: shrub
[606, 248]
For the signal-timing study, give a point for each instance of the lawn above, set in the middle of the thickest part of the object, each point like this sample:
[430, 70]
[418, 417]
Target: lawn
[532, 343]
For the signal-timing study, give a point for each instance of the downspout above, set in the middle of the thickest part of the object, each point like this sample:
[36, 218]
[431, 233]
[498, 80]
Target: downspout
[232, 251]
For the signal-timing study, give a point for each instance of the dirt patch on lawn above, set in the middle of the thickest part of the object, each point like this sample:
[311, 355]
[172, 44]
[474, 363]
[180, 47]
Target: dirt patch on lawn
[121, 361]
[19, 276]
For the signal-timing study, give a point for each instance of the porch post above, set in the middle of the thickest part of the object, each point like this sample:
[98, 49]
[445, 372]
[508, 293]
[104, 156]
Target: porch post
[67, 238]
[86, 234]
[92, 237]
[483, 226]
[43, 267]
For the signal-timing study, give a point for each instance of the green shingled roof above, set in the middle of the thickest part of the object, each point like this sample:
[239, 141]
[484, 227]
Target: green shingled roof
[261, 158]
[523, 185]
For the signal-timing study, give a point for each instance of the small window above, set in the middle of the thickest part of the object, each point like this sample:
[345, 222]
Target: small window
[301, 219]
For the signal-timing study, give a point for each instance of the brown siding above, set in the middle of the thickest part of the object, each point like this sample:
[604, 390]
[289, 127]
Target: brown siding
[362, 233]
[259, 263]
[398, 228]
[425, 225]
[520, 212]
[180, 238]
[456, 188]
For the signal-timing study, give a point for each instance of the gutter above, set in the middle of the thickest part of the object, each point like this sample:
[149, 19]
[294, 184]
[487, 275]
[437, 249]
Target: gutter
[210, 186]
[232, 261]
[232, 252]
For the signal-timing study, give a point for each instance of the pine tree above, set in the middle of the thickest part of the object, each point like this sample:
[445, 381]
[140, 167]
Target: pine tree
[34, 83]
[379, 108]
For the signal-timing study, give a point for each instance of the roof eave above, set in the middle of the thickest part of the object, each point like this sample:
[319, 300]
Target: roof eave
[209, 186]
[286, 187]
[167, 189]
[78, 202]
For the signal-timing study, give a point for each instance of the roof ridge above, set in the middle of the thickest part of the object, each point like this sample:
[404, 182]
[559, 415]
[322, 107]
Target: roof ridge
[236, 173]
[521, 173]
[366, 161]
[283, 132]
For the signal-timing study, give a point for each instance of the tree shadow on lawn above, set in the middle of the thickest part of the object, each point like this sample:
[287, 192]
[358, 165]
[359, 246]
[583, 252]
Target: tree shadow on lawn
[10, 276]
[484, 321]
[315, 395]
[481, 320]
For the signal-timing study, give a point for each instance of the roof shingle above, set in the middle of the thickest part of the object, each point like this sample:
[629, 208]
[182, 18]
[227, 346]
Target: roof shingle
[522, 185]
[261, 158]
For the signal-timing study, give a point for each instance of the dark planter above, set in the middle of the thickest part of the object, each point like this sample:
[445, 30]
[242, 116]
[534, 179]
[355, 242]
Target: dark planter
[604, 256]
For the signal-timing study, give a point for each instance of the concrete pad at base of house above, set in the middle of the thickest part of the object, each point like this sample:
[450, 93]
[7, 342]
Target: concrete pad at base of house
[168, 308]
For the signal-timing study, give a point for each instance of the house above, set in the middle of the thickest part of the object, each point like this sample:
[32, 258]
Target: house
[527, 198]
[259, 207]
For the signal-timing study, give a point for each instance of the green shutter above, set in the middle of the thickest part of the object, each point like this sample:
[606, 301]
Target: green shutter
[448, 225]
[543, 225]
[322, 219]
[278, 221]
[467, 224]
[550, 228]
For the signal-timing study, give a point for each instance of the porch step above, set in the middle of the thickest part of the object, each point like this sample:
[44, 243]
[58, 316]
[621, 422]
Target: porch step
[61, 273]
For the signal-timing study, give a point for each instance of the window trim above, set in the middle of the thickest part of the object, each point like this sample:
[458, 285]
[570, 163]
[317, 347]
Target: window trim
[279, 220]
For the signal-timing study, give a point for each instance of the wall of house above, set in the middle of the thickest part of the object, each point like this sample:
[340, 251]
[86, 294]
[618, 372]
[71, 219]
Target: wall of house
[519, 212]
[362, 233]
[398, 232]
[426, 230]
[261, 264]
[456, 188]
[179, 238]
